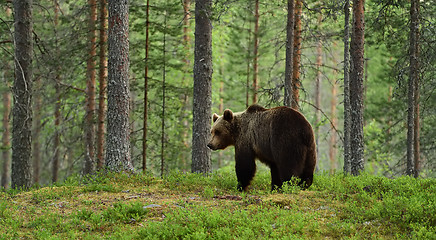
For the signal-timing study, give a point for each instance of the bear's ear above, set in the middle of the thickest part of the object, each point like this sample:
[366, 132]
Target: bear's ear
[228, 115]
[215, 117]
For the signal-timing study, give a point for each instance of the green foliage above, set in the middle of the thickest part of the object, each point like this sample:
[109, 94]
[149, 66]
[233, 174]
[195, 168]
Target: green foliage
[194, 206]
[126, 213]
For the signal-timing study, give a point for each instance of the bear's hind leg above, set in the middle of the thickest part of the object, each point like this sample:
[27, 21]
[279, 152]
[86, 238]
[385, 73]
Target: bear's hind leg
[276, 182]
[306, 180]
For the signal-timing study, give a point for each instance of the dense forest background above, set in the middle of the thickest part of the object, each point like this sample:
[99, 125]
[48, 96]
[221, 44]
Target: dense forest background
[61, 60]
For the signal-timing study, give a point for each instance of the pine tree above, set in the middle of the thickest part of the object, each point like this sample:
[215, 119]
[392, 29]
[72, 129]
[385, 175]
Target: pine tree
[413, 93]
[22, 92]
[102, 79]
[356, 87]
[289, 54]
[202, 99]
[118, 156]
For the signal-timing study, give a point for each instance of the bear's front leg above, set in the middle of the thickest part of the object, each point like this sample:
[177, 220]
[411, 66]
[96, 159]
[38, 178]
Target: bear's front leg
[245, 169]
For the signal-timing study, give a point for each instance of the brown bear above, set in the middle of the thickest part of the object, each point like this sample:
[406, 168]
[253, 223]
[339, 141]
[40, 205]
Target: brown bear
[280, 137]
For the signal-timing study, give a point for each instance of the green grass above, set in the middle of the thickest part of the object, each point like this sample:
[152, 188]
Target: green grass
[191, 206]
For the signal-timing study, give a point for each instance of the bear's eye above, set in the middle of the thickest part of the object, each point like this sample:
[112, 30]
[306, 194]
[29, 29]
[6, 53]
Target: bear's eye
[217, 132]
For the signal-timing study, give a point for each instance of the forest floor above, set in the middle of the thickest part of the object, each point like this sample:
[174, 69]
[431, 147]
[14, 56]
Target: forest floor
[191, 206]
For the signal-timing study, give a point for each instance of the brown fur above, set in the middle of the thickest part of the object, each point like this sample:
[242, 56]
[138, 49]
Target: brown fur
[280, 137]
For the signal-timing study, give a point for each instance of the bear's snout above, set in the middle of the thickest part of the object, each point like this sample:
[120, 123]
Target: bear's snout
[211, 146]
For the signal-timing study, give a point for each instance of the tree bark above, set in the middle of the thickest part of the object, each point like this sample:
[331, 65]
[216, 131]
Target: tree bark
[145, 116]
[347, 105]
[22, 92]
[118, 131]
[289, 54]
[185, 110]
[202, 99]
[6, 157]
[256, 52]
[57, 107]
[36, 148]
[162, 152]
[248, 61]
[317, 89]
[56, 138]
[89, 166]
[6, 174]
[296, 84]
[356, 87]
[413, 94]
[102, 75]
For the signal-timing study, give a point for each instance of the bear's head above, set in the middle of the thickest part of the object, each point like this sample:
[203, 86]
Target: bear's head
[222, 135]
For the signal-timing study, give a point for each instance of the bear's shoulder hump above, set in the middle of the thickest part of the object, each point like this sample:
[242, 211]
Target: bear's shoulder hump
[255, 108]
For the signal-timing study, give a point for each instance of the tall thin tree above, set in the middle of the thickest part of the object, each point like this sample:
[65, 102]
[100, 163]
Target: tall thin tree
[202, 99]
[296, 61]
[102, 79]
[248, 61]
[256, 52]
[356, 87]
[289, 54]
[318, 87]
[57, 107]
[145, 116]
[5, 149]
[36, 148]
[118, 131]
[89, 166]
[347, 106]
[6, 174]
[162, 140]
[413, 93]
[185, 111]
[22, 94]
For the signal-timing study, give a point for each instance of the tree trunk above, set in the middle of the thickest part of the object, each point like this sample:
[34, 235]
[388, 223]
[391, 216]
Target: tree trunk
[6, 174]
[22, 91]
[57, 107]
[56, 138]
[36, 148]
[185, 111]
[118, 131]
[202, 99]
[248, 61]
[102, 75]
[256, 53]
[413, 94]
[356, 87]
[145, 116]
[162, 152]
[289, 54]
[317, 88]
[89, 128]
[347, 106]
[296, 84]
[6, 157]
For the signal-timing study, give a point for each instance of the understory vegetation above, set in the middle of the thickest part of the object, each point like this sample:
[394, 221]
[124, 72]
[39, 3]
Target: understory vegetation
[193, 206]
